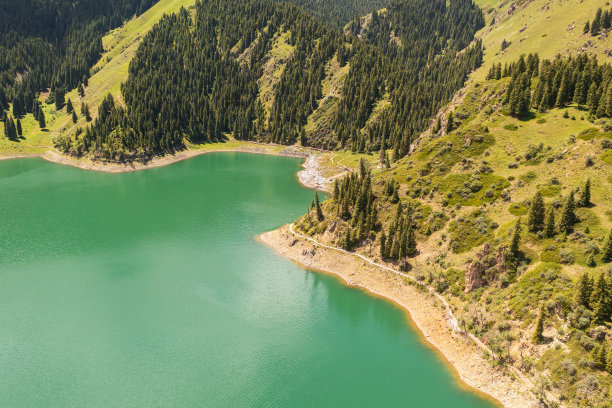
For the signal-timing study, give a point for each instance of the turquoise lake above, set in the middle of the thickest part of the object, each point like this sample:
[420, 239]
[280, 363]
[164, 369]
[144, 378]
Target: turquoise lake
[148, 289]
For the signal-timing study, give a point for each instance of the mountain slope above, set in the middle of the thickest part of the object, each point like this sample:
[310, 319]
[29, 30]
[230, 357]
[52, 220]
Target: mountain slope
[448, 213]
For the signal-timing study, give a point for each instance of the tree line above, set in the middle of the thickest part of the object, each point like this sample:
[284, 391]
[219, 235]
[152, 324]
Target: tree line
[576, 79]
[601, 21]
[53, 44]
[186, 82]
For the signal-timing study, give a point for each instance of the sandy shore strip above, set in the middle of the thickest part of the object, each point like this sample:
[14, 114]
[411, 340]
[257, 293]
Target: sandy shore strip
[309, 177]
[425, 311]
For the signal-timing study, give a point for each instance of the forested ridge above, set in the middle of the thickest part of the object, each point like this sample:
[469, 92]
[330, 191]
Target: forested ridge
[195, 78]
[337, 13]
[53, 44]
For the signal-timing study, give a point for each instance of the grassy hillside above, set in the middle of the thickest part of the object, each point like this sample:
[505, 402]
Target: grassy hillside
[467, 189]
[108, 75]
[545, 27]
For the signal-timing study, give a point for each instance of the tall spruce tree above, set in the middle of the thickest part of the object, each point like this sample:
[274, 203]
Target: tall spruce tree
[538, 336]
[607, 249]
[549, 227]
[596, 25]
[583, 291]
[535, 221]
[568, 216]
[601, 300]
[318, 207]
[585, 194]
[450, 123]
[42, 123]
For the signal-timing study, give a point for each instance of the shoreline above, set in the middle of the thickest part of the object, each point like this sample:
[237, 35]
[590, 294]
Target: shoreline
[309, 177]
[425, 313]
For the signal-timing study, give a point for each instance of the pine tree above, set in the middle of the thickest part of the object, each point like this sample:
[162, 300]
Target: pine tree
[585, 194]
[41, 119]
[318, 207]
[596, 25]
[600, 300]
[59, 99]
[516, 240]
[85, 112]
[587, 27]
[81, 91]
[411, 245]
[549, 228]
[592, 100]
[19, 129]
[535, 221]
[69, 107]
[605, 20]
[438, 125]
[599, 356]
[607, 249]
[568, 216]
[538, 336]
[449, 123]
[74, 117]
[383, 242]
[583, 291]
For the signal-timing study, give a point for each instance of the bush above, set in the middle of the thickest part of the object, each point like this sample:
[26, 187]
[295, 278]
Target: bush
[569, 367]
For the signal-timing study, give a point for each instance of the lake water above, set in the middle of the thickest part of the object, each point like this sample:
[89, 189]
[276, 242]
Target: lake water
[148, 289]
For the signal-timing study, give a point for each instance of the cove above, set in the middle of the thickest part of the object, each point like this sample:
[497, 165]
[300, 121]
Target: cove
[147, 289]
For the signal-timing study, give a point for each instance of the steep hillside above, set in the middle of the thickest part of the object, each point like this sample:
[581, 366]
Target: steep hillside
[118, 48]
[504, 205]
[279, 76]
[545, 27]
[339, 12]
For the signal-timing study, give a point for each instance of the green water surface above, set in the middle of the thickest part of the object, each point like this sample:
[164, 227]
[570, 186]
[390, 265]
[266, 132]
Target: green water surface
[148, 289]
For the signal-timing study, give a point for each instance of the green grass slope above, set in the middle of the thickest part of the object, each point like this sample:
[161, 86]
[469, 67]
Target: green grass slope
[470, 186]
[547, 27]
[108, 75]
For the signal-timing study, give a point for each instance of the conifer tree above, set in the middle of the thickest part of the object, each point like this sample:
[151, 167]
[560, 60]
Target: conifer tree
[438, 125]
[449, 123]
[592, 100]
[516, 241]
[568, 216]
[587, 27]
[318, 207]
[59, 99]
[69, 107]
[41, 119]
[74, 117]
[583, 291]
[599, 356]
[609, 361]
[605, 20]
[535, 221]
[596, 25]
[19, 129]
[538, 336]
[607, 249]
[383, 242]
[549, 227]
[81, 91]
[600, 300]
[411, 244]
[585, 194]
